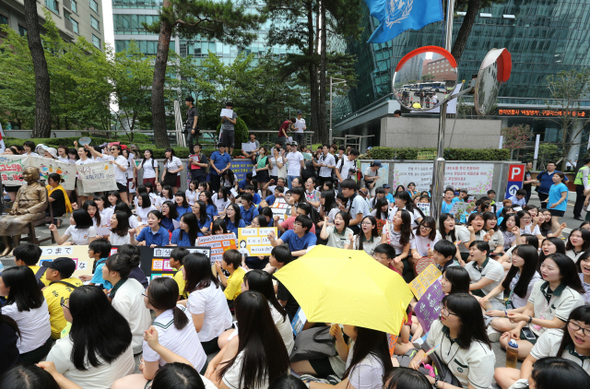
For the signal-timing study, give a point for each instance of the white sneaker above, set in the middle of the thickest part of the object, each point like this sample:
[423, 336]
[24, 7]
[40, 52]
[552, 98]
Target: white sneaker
[493, 334]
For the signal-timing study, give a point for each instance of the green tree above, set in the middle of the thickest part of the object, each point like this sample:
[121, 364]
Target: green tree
[568, 88]
[209, 19]
[515, 137]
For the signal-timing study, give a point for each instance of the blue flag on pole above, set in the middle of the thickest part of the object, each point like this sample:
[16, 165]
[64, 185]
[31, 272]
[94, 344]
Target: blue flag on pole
[397, 16]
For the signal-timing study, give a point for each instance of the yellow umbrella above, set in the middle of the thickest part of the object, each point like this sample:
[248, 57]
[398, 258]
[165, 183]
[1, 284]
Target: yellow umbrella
[347, 287]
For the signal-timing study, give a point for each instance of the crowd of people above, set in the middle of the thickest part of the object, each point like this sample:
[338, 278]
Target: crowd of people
[509, 275]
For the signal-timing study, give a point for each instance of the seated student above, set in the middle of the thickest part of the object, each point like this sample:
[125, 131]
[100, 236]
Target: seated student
[248, 210]
[519, 281]
[255, 196]
[98, 349]
[550, 372]
[26, 305]
[232, 259]
[460, 332]
[279, 257]
[261, 281]
[28, 254]
[154, 235]
[144, 206]
[177, 256]
[99, 250]
[80, 230]
[257, 356]
[337, 233]
[278, 193]
[206, 301]
[181, 204]
[444, 254]
[119, 229]
[573, 343]
[233, 219]
[518, 199]
[455, 279]
[367, 239]
[299, 239]
[126, 296]
[550, 304]
[583, 266]
[169, 215]
[385, 255]
[304, 209]
[175, 332]
[206, 197]
[485, 273]
[187, 234]
[449, 200]
[134, 261]
[405, 378]
[204, 221]
[62, 284]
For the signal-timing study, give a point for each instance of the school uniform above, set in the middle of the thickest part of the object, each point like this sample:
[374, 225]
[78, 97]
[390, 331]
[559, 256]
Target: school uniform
[159, 238]
[80, 236]
[212, 302]
[296, 243]
[248, 214]
[128, 301]
[490, 269]
[231, 227]
[34, 326]
[549, 304]
[473, 365]
[548, 344]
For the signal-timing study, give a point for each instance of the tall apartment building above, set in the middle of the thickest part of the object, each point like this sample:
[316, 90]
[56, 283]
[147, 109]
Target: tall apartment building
[74, 18]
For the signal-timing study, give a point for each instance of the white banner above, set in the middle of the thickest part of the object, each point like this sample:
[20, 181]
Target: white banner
[475, 177]
[46, 166]
[97, 177]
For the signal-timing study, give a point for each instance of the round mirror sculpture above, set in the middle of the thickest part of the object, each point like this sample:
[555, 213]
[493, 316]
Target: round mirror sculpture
[425, 78]
[494, 70]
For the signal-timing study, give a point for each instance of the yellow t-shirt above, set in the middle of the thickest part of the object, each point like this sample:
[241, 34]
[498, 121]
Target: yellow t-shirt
[43, 279]
[234, 284]
[179, 278]
[55, 294]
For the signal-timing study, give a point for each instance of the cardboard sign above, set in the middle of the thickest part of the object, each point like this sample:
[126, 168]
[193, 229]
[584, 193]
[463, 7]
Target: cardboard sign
[428, 307]
[425, 208]
[420, 284]
[78, 253]
[219, 244]
[254, 241]
[46, 166]
[459, 208]
[12, 167]
[97, 177]
[241, 167]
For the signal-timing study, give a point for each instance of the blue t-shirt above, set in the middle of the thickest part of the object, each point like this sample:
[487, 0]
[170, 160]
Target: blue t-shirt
[97, 276]
[256, 198]
[182, 210]
[446, 208]
[248, 215]
[167, 224]
[160, 238]
[546, 181]
[296, 243]
[220, 161]
[212, 210]
[231, 227]
[390, 198]
[242, 184]
[207, 224]
[270, 200]
[184, 242]
[555, 195]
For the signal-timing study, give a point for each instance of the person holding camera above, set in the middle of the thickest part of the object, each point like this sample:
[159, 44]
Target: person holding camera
[346, 166]
[371, 176]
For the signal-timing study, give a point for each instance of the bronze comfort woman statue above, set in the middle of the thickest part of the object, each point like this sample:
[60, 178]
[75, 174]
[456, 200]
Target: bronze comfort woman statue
[29, 206]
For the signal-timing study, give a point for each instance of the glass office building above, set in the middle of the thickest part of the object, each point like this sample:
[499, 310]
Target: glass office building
[543, 36]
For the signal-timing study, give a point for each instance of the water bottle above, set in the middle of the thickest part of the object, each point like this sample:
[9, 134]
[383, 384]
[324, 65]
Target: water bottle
[512, 354]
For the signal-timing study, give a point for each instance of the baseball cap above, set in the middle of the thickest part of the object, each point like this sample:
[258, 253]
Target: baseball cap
[386, 186]
[376, 163]
[299, 113]
[294, 143]
[66, 266]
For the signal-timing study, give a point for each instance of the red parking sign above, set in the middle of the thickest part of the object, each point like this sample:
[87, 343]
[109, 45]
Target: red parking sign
[516, 172]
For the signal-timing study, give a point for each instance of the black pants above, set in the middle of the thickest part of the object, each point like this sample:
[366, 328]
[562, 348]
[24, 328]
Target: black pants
[579, 201]
[528, 196]
[215, 182]
[543, 197]
[321, 181]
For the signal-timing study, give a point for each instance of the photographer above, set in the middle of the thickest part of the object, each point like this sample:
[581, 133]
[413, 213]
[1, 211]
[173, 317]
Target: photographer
[346, 166]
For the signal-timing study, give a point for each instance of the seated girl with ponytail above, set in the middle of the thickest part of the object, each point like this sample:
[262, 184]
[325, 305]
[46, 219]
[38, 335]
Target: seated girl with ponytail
[176, 333]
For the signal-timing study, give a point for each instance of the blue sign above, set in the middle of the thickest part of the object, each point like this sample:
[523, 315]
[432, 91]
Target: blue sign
[512, 187]
[241, 167]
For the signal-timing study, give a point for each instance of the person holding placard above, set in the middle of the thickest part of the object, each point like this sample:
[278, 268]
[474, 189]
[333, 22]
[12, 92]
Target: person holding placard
[228, 121]
[121, 164]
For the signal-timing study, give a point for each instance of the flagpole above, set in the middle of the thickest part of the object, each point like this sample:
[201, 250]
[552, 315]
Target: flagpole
[438, 171]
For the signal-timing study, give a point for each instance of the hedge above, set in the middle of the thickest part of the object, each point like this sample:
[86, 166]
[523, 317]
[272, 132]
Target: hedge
[181, 152]
[410, 153]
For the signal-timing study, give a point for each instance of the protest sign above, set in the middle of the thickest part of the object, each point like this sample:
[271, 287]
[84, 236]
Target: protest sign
[97, 177]
[219, 244]
[249, 147]
[475, 177]
[155, 262]
[241, 167]
[428, 307]
[460, 207]
[11, 168]
[78, 253]
[420, 284]
[254, 241]
[425, 208]
[280, 208]
[228, 113]
[47, 166]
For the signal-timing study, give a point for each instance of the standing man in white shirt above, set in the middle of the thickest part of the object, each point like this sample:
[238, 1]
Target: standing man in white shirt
[299, 128]
[326, 164]
[294, 163]
[371, 176]
[346, 166]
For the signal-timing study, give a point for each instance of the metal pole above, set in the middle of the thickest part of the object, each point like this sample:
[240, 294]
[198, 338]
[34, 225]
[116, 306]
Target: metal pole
[438, 171]
[330, 136]
[536, 156]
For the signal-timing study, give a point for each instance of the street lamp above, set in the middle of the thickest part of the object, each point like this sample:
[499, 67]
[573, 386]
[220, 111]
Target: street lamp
[332, 83]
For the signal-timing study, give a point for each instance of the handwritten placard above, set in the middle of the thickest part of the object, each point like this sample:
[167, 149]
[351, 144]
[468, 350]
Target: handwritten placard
[78, 253]
[427, 277]
[11, 168]
[219, 244]
[429, 305]
[477, 178]
[97, 177]
[155, 262]
[254, 241]
[425, 208]
[47, 166]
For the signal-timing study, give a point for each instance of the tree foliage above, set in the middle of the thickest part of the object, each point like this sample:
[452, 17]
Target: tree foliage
[515, 137]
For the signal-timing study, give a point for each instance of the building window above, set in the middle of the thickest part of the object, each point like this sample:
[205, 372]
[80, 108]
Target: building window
[96, 41]
[94, 5]
[74, 24]
[52, 5]
[3, 19]
[94, 23]
[74, 6]
[21, 30]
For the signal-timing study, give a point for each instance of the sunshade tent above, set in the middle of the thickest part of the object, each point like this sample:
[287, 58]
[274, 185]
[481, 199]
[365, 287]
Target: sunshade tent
[347, 287]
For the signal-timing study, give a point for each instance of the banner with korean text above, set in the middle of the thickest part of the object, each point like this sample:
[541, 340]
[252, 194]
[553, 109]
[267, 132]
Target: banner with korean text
[97, 177]
[11, 169]
[219, 244]
[475, 177]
